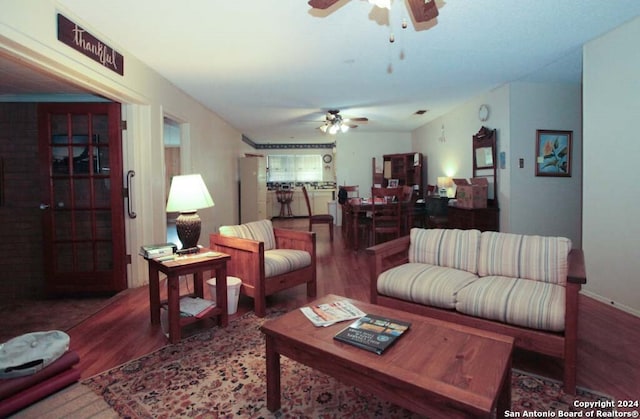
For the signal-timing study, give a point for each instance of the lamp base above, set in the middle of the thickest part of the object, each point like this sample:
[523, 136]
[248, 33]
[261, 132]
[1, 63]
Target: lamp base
[188, 228]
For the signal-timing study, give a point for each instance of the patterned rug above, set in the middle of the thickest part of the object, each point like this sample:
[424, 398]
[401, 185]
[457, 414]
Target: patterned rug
[221, 373]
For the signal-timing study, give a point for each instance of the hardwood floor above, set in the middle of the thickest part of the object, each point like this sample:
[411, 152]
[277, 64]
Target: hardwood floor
[608, 338]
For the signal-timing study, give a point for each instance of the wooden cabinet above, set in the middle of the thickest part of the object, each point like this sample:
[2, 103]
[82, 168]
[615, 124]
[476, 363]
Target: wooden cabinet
[253, 189]
[483, 219]
[320, 201]
[406, 167]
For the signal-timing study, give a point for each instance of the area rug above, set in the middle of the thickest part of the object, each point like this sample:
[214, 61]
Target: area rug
[221, 373]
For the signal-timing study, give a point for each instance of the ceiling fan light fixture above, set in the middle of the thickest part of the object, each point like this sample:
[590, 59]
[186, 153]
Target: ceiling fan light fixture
[334, 123]
[383, 4]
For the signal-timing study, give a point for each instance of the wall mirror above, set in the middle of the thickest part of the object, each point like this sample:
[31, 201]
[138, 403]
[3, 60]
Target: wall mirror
[484, 149]
[484, 157]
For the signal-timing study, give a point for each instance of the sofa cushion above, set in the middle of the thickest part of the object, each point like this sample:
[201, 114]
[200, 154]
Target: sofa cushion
[279, 261]
[516, 301]
[444, 247]
[521, 256]
[261, 231]
[425, 284]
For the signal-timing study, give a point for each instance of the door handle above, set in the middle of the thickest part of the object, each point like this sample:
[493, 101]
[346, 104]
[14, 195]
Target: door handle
[45, 206]
[127, 194]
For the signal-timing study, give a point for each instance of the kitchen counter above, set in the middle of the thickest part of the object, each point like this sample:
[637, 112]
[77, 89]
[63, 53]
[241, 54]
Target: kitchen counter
[318, 199]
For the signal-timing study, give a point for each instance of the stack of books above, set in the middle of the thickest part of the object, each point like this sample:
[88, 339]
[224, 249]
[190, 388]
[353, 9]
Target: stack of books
[155, 251]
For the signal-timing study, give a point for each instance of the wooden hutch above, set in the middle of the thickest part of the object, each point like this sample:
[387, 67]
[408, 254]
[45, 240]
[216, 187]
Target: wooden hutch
[405, 167]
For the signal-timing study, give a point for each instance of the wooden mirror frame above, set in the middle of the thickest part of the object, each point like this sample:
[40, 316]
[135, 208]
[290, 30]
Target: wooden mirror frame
[484, 139]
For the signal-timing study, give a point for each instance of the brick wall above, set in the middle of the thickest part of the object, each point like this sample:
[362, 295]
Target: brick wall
[21, 270]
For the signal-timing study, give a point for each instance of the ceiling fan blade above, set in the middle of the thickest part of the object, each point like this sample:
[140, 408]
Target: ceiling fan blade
[423, 10]
[322, 4]
[361, 119]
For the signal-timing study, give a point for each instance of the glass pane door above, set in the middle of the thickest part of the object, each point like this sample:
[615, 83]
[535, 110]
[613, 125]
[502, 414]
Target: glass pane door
[84, 211]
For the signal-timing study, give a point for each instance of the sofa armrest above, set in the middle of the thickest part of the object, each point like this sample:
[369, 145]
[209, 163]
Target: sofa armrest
[385, 256]
[247, 257]
[576, 273]
[295, 240]
[221, 243]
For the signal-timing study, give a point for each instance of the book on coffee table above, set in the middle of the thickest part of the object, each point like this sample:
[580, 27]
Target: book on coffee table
[373, 333]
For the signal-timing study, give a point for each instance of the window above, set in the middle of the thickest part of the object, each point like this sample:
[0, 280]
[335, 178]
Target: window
[294, 168]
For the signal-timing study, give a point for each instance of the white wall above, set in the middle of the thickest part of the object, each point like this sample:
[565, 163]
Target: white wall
[28, 32]
[354, 153]
[528, 204]
[548, 206]
[446, 143]
[611, 230]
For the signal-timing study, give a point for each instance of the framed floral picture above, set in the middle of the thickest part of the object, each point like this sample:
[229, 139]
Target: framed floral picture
[553, 153]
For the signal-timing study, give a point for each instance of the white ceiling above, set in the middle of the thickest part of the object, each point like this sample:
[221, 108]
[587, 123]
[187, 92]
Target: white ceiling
[273, 68]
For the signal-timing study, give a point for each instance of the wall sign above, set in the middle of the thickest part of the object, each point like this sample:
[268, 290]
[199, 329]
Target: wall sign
[77, 38]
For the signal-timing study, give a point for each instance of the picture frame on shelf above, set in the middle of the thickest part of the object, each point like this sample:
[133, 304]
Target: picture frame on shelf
[553, 153]
[393, 183]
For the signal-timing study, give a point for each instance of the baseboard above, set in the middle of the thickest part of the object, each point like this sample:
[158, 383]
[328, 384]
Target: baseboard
[614, 304]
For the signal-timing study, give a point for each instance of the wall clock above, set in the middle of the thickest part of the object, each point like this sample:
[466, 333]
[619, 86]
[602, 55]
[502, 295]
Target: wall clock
[483, 112]
[327, 158]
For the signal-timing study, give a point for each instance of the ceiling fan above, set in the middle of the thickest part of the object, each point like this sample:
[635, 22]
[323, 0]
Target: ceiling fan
[422, 10]
[335, 123]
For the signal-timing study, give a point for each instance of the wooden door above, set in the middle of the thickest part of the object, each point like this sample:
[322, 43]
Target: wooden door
[82, 198]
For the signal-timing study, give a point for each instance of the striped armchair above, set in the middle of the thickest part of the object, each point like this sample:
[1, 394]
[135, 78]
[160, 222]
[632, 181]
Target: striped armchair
[523, 286]
[267, 259]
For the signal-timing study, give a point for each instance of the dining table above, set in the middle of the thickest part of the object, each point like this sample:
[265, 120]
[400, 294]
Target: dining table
[355, 209]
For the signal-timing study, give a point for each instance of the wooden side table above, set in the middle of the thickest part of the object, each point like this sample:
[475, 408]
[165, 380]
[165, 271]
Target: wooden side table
[195, 264]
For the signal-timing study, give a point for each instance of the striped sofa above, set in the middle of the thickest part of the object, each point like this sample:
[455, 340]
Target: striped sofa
[267, 259]
[523, 286]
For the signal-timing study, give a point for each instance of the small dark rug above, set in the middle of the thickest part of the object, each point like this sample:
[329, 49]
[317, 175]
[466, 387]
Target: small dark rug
[18, 317]
[221, 373]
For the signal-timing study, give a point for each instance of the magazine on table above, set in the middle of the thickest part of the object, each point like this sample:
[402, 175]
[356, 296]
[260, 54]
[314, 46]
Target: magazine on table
[331, 313]
[190, 306]
[373, 333]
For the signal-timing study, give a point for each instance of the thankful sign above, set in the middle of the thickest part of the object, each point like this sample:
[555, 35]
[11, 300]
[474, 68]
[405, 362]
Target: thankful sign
[82, 41]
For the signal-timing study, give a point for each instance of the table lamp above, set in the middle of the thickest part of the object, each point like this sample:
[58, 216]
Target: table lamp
[442, 185]
[187, 195]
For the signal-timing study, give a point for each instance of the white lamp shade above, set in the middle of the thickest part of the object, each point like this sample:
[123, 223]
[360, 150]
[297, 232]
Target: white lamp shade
[188, 193]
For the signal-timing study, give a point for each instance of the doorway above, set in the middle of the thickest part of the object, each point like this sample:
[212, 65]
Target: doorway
[172, 167]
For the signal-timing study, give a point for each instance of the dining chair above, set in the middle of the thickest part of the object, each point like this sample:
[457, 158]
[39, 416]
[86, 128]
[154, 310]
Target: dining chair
[386, 215]
[346, 192]
[318, 218]
[409, 210]
[407, 193]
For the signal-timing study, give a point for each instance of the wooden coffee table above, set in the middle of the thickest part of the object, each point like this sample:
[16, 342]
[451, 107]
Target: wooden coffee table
[438, 369]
